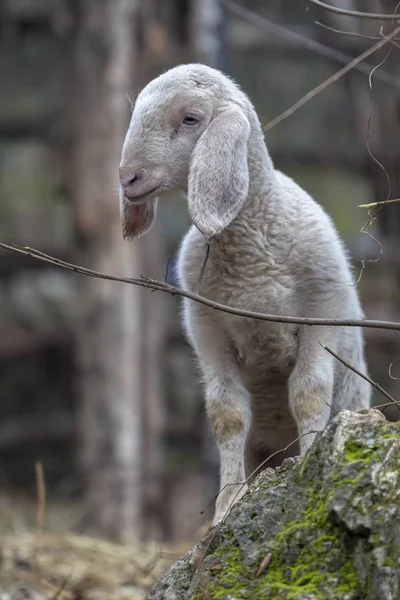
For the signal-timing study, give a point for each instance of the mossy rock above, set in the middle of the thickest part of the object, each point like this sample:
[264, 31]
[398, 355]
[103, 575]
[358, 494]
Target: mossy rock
[330, 523]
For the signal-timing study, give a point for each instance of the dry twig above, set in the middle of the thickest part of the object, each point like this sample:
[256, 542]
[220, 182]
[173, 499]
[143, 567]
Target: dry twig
[381, 203]
[292, 37]
[365, 377]
[161, 286]
[332, 79]
[41, 503]
[354, 13]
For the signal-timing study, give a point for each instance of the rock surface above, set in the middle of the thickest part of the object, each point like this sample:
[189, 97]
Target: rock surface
[325, 527]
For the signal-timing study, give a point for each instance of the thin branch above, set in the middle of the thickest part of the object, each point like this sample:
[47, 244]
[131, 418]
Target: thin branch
[343, 32]
[391, 369]
[154, 284]
[381, 203]
[354, 13]
[372, 217]
[271, 28]
[60, 592]
[393, 363]
[332, 79]
[203, 268]
[40, 513]
[384, 405]
[365, 377]
[41, 503]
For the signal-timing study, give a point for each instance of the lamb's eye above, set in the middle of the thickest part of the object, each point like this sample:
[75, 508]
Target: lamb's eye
[189, 120]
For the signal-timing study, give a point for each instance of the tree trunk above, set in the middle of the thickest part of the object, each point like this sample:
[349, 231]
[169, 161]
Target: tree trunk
[154, 332]
[208, 24]
[109, 327]
[209, 33]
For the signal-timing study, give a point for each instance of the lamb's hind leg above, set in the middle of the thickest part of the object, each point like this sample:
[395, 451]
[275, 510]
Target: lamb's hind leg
[311, 383]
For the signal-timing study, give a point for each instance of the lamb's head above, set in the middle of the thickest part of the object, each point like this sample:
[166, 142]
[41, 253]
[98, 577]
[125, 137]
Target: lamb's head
[189, 131]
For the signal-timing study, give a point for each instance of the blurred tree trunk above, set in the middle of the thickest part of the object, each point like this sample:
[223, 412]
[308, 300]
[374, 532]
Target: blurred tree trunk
[153, 253]
[208, 29]
[109, 335]
[209, 33]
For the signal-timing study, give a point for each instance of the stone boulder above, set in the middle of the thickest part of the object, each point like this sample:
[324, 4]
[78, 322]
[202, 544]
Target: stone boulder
[324, 527]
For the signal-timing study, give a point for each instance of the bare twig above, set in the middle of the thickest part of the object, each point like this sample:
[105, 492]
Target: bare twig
[271, 28]
[391, 367]
[40, 512]
[332, 79]
[41, 503]
[61, 589]
[343, 32]
[384, 405]
[381, 203]
[203, 268]
[154, 284]
[372, 217]
[393, 363]
[365, 377]
[353, 13]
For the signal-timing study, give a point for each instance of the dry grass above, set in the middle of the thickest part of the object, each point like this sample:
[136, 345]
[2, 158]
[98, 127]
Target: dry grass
[78, 567]
[61, 565]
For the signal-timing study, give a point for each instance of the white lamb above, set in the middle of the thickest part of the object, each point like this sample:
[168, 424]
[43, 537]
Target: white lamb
[272, 249]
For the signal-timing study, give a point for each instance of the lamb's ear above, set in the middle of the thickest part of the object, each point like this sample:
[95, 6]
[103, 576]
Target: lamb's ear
[219, 176]
[136, 219]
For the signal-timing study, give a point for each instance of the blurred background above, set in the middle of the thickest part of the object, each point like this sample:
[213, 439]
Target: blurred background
[96, 380]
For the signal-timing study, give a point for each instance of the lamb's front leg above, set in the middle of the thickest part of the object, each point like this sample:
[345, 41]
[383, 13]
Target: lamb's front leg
[311, 383]
[229, 411]
[227, 401]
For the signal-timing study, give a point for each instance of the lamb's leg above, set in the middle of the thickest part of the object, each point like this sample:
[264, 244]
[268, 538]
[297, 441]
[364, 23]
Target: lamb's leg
[311, 383]
[227, 402]
[228, 408]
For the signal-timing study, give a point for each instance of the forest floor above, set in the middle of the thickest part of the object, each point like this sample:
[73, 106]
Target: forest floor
[52, 563]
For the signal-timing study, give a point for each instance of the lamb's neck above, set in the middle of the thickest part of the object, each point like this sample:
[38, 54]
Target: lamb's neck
[262, 175]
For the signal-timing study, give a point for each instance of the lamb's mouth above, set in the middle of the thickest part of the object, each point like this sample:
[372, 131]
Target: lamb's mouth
[141, 198]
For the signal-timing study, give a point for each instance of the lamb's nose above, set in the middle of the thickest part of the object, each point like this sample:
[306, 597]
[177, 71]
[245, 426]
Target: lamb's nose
[127, 178]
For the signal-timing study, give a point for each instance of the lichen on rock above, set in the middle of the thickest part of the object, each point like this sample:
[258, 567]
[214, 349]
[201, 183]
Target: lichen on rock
[330, 523]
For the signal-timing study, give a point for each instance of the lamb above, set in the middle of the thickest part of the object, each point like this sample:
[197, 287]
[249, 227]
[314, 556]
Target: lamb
[272, 249]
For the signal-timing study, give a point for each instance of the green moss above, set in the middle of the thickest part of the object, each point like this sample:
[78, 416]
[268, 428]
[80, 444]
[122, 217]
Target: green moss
[232, 580]
[310, 571]
[353, 451]
[390, 562]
